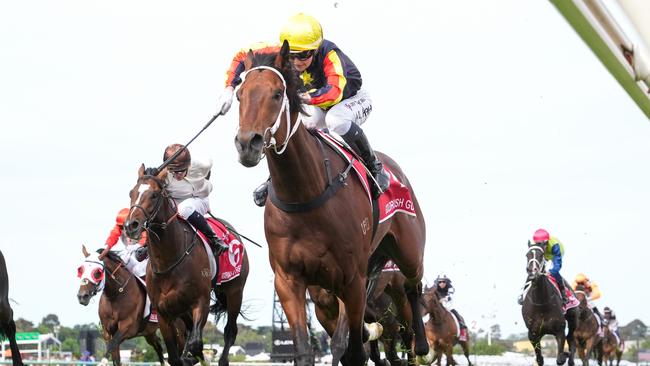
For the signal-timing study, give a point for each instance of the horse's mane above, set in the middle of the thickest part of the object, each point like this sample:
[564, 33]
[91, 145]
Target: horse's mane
[112, 256]
[290, 77]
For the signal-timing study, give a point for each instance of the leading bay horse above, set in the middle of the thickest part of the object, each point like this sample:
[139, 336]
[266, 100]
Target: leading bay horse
[121, 306]
[586, 332]
[7, 324]
[442, 331]
[178, 274]
[542, 308]
[324, 234]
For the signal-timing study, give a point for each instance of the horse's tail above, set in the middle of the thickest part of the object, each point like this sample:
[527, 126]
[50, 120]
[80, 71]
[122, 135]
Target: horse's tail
[220, 305]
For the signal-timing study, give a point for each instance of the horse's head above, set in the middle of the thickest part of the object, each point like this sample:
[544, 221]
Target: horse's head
[266, 98]
[581, 295]
[147, 197]
[429, 300]
[535, 259]
[91, 274]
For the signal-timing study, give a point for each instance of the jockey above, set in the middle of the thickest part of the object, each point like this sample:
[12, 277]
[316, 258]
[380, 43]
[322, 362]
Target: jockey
[130, 256]
[332, 91]
[612, 323]
[188, 185]
[444, 290]
[554, 251]
[591, 290]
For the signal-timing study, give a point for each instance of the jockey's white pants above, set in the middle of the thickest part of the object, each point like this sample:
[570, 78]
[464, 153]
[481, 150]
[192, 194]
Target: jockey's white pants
[341, 116]
[128, 257]
[448, 303]
[189, 205]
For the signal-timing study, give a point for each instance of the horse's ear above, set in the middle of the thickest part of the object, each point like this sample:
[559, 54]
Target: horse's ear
[248, 62]
[528, 242]
[84, 251]
[283, 55]
[141, 170]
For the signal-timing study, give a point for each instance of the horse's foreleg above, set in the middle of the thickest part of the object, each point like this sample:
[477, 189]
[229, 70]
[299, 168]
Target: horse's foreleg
[537, 346]
[292, 296]
[413, 293]
[168, 332]
[195, 341]
[572, 322]
[10, 330]
[355, 305]
[154, 342]
[561, 355]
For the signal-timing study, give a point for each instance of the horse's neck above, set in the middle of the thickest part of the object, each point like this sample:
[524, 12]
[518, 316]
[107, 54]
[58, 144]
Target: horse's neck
[297, 174]
[166, 244]
[438, 312]
[112, 286]
[540, 291]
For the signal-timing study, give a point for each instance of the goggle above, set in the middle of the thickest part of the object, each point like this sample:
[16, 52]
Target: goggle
[96, 275]
[302, 56]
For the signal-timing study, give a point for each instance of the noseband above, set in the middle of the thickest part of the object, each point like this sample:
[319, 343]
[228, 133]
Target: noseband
[272, 143]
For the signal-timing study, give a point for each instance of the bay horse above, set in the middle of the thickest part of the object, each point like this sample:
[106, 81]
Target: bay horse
[323, 234]
[610, 347]
[542, 308]
[121, 305]
[441, 331]
[179, 275]
[7, 324]
[586, 332]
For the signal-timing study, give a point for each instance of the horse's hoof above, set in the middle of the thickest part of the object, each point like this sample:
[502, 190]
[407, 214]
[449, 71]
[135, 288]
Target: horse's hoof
[104, 362]
[426, 359]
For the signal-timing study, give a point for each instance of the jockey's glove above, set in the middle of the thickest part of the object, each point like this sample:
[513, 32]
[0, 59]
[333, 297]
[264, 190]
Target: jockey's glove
[225, 100]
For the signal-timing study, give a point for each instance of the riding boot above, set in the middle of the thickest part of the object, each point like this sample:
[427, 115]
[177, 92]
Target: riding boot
[597, 312]
[461, 325]
[199, 222]
[260, 193]
[358, 141]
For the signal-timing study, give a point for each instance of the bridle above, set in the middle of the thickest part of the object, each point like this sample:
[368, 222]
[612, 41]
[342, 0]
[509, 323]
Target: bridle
[148, 223]
[537, 264]
[272, 143]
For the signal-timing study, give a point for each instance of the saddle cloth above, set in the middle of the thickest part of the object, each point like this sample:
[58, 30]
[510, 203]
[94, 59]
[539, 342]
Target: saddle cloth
[390, 266]
[572, 300]
[396, 199]
[230, 261]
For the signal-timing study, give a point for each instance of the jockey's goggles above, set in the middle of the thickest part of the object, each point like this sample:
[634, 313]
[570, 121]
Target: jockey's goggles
[302, 56]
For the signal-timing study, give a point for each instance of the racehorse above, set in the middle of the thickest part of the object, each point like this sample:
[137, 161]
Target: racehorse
[7, 324]
[122, 304]
[389, 306]
[319, 225]
[542, 308]
[586, 332]
[179, 274]
[442, 331]
[610, 347]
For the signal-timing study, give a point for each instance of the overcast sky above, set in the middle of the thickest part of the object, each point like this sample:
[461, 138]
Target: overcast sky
[502, 118]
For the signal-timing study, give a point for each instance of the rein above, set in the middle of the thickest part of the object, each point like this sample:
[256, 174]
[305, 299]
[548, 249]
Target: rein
[112, 273]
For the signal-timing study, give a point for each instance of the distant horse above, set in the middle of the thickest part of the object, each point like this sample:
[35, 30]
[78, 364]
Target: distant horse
[7, 325]
[389, 306]
[442, 331]
[318, 223]
[610, 347]
[121, 306]
[542, 308]
[586, 332]
[178, 275]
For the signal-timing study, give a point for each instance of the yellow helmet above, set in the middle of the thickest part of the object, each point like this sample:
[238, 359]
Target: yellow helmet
[303, 32]
[580, 277]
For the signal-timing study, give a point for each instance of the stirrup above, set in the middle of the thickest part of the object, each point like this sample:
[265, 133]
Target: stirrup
[260, 193]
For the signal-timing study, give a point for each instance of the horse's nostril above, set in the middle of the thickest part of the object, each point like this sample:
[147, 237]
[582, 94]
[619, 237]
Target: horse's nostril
[257, 142]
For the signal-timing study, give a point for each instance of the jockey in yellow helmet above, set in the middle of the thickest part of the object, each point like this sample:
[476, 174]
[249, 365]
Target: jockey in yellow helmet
[332, 91]
[591, 290]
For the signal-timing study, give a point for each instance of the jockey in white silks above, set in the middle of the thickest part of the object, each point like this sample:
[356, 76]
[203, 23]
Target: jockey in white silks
[445, 290]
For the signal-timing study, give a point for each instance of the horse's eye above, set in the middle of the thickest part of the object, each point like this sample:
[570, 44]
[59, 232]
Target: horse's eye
[155, 195]
[277, 95]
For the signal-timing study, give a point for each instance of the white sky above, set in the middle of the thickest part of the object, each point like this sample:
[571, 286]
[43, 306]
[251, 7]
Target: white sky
[502, 118]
